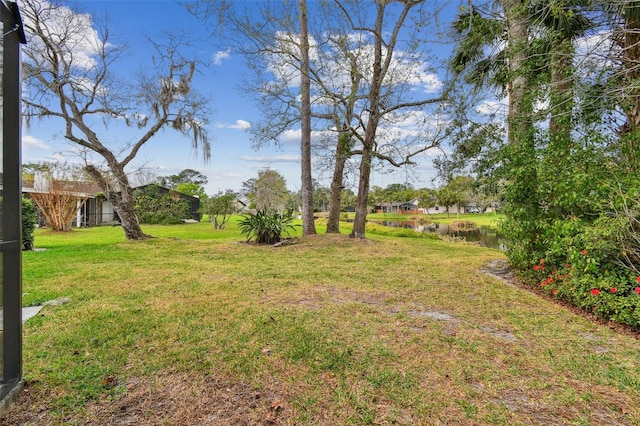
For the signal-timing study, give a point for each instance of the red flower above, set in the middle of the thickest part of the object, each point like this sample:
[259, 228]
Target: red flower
[614, 290]
[638, 278]
[637, 290]
[554, 291]
[595, 292]
[583, 252]
[538, 267]
[542, 261]
[566, 265]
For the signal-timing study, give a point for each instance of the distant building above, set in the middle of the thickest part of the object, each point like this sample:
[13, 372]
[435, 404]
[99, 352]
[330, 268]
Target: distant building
[95, 209]
[407, 207]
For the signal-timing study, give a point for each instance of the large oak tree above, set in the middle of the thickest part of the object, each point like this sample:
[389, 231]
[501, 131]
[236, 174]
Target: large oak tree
[70, 74]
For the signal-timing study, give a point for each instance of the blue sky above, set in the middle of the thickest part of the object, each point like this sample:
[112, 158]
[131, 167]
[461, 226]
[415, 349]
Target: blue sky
[233, 159]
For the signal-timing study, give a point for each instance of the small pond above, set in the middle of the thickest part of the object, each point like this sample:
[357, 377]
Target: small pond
[485, 236]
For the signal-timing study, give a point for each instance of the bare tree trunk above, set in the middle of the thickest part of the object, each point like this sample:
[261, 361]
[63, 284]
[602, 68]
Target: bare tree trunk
[128, 218]
[343, 149]
[517, 48]
[629, 43]
[363, 194]
[372, 127]
[308, 225]
[121, 196]
[333, 222]
[561, 99]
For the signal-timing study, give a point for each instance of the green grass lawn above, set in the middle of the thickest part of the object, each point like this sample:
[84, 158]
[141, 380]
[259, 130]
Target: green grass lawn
[195, 327]
[486, 219]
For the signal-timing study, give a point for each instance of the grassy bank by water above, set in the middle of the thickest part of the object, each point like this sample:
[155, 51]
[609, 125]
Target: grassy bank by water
[196, 327]
[490, 220]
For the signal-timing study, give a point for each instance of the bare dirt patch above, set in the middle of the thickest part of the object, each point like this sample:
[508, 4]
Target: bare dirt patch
[333, 241]
[608, 409]
[166, 399]
[501, 269]
[324, 295]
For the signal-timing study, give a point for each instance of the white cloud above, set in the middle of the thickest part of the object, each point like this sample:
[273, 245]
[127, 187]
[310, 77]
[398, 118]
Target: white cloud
[57, 157]
[292, 135]
[239, 124]
[492, 107]
[34, 142]
[273, 159]
[405, 67]
[598, 44]
[220, 56]
[67, 28]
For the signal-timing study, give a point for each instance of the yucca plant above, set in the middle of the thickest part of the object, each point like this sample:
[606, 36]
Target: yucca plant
[266, 227]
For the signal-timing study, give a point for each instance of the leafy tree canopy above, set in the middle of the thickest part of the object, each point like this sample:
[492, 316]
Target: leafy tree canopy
[185, 176]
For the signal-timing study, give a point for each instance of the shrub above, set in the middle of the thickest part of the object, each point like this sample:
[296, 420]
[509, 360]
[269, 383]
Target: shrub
[572, 225]
[585, 265]
[29, 219]
[154, 207]
[608, 291]
[265, 227]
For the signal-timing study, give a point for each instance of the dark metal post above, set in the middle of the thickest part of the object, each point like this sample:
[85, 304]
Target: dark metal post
[11, 223]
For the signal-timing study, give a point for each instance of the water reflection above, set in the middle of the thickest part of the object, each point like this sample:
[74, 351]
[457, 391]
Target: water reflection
[485, 236]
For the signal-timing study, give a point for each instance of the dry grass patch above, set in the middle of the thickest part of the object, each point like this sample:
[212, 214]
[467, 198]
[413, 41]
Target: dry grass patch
[169, 398]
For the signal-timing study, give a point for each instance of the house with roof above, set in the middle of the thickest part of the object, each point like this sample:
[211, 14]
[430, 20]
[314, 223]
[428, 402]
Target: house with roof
[407, 207]
[93, 207]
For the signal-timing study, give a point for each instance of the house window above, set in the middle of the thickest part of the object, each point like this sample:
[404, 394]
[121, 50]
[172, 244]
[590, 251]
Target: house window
[10, 202]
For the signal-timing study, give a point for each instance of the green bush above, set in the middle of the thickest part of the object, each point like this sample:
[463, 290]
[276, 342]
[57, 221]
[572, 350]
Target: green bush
[590, 260]
[155, 208]
[265, 227]
[29, 219]
[608, 291]
[572, 224]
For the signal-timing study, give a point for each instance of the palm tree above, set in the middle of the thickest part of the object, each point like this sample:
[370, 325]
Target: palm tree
[624, 25]
[505, 35]
[476, 34]
[562, 22]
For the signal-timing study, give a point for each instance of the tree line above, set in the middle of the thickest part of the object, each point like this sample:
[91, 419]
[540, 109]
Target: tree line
[326, 66]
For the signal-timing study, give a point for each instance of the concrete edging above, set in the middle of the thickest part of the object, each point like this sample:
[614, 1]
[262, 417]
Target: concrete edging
[6, 402]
